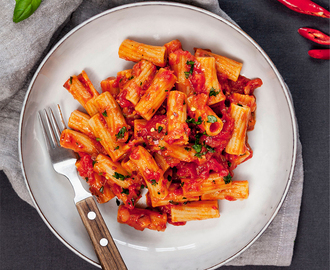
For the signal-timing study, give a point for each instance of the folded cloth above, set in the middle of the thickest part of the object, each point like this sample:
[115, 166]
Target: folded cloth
[23, 47]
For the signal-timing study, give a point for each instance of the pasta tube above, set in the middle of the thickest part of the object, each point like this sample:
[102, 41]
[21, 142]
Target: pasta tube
[178, 130]
[241, 116]
[131, 50]
[239, 190]
[100, 129]
[195, 211]
[113, 116]
[156, 93]
[224, 65]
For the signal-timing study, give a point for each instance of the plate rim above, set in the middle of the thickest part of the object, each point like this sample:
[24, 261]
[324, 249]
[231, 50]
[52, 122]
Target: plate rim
[284, 87]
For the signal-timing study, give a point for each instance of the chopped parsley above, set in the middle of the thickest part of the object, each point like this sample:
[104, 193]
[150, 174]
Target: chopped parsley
[187, 149]
[121, 133]
[120, 176]
[132, 201]
[100, 173]
[117, 147]
[94, 162]
[211, 119]
[98, 139]
[213, 92]
[227, 179]
[171, 202]
[153, 182]
[229, 163]
[191, 64]
[160, 128]
[70, 80]
[169, 178]
[239, 105]
[130, 78]
[197, 147]
[142, 186]
[162, 148]
[193, 121]
[144, 144]
[210, 149]
[105, 114]
[125, 191]
[182, 183]
[86, 178]
[101, 189]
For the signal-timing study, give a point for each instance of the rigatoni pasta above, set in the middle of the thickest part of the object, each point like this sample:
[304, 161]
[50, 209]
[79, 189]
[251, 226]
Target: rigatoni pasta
[173, 123]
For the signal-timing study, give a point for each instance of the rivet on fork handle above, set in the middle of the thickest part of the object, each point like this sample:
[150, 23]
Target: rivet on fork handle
[104, 246]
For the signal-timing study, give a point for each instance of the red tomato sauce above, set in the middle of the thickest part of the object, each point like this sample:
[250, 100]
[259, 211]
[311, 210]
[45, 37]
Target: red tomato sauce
[197, 79]
[85, 168]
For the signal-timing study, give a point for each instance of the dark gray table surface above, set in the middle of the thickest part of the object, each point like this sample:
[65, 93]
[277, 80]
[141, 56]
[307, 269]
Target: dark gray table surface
[27, 243]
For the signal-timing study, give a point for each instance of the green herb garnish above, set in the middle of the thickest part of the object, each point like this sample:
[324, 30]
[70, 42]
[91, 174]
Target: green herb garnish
[197, 147]
[227, 179]
[24, 9]
[160, 128]
[98, 139]
[191, 64]
[121, 133]
[211, 119]
[105, 114]
[193, 121]
[101, 189]
[213, 92]
[125, 191]
[153, 182]
[120, 176]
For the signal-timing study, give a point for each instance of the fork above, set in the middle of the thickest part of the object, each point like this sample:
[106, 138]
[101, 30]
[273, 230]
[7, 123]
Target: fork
[63, 161]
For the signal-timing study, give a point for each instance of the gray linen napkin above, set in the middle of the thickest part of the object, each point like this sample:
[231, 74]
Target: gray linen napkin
[23, 47]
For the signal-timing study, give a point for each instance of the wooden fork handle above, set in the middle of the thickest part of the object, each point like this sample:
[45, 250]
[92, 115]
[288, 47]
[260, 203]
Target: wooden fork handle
[105, 248]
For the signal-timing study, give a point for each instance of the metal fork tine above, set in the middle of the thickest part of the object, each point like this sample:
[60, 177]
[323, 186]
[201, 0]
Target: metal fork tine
[61, 117]
[50, 129]
[56, 129]
[44, 132]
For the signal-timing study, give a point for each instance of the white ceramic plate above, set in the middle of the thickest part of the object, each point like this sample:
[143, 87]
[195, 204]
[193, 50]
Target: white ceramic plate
[93, 46]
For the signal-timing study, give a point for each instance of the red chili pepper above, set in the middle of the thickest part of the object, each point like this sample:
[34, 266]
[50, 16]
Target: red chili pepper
[314, 35]
[320, 54]
[306, 7]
